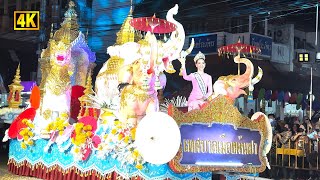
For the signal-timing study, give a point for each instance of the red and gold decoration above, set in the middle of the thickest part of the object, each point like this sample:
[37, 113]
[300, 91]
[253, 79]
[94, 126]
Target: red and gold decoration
[15, 89]
[238, 49]
[85, 105]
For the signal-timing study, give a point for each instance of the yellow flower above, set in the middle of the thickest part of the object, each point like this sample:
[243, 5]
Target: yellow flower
[135, 153]
[25, 138]
[116, 123]
[30, 142]
[105, 136]
[100, 147]
[30, 133]
[23, 145]
[139, 166]
[64, 116]
[89, 134]
[76, 150]
[31, 126]
[133, 133]
[24, 121]
[22, 132]
[120, 136]
[113, 131]
[60, 133]
[88, 127]
[126, 139]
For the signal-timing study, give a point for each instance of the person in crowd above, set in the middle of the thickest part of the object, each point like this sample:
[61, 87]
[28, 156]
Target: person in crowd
[308, 125]
[272, 120]
[250, 113]
[201, 82]
[284, 139]
[313, 150]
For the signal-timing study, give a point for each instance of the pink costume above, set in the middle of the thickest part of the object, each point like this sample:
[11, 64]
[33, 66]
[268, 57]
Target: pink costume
[196, 96]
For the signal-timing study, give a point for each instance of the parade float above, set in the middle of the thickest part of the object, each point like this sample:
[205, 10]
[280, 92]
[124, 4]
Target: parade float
[70, 131]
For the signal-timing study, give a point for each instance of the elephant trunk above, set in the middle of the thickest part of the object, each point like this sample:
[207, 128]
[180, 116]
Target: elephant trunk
[175, 44]
[244, 80]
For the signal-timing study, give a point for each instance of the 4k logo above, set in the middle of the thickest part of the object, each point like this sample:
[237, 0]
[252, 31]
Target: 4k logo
[26, 20]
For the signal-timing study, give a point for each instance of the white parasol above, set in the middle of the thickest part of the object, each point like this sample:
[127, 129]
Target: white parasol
[158, 138]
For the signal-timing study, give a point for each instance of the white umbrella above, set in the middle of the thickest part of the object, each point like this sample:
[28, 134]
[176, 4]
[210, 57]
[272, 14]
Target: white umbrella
[158, 138]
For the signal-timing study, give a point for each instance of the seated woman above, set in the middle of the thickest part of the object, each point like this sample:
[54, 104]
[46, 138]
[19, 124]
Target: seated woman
[201, 82]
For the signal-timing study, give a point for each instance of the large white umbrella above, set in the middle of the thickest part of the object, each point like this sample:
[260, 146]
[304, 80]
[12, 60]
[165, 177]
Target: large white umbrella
[158, 138]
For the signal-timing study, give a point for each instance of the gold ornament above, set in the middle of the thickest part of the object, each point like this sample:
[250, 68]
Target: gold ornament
[85, 100]
[15, 89]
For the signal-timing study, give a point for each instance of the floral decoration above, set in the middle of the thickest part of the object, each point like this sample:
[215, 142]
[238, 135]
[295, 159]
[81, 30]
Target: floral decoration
[117, 140]
[59, 124]
[26, 134]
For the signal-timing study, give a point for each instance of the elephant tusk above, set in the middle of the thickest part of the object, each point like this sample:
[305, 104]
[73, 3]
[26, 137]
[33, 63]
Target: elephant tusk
[191, 47]
[258, 77]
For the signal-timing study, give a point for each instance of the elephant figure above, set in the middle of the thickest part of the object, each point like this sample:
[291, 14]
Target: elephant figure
[232, 85]
[140, 74]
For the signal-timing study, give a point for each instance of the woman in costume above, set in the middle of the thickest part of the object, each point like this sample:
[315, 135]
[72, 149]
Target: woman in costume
[201, 82]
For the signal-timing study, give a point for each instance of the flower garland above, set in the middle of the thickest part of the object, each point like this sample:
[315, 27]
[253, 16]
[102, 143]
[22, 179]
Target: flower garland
[26, 134]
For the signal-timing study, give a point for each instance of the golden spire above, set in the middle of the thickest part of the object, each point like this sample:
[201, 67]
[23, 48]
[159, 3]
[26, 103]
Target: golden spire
[89, 90]
[85, 99]
[126, 32]
[14, 98]
[16, 80]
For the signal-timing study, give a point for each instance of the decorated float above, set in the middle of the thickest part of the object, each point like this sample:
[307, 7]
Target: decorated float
[72, 132]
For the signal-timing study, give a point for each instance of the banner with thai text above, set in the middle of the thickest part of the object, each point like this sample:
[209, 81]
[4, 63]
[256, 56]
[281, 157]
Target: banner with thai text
[207, 44]
[263, 42]
[219, 145]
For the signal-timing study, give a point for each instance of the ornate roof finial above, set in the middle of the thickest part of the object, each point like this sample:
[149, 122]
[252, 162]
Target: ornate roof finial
[131, 8]
[88, 90]
[16, 80]
[71, 13]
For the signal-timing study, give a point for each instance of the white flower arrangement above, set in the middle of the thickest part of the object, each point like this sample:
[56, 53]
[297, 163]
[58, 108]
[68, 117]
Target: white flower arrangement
[179, 101]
